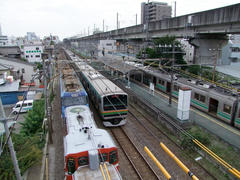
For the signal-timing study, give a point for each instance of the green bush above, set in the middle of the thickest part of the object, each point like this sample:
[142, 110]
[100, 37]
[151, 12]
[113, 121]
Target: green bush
[34, 119]
[188, 144]
[28, 151]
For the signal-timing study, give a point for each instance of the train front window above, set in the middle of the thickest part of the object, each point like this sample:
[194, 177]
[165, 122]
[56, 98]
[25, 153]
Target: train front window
[70, 101]
[114, 102]
[103, 157]
[83, 161]
[71, 165]
[113, 157]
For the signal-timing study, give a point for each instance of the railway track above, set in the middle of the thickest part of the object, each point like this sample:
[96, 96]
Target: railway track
[158, 134]
[137, 160]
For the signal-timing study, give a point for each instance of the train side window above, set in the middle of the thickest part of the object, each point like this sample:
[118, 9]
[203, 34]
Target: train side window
[83, 161]
[105, 157]
[202, 98]
[199, 97]
[71, 165]
[227, 108]
[161, 82]
[239, 114]
[196, 96]
[113, 157]
[175, 88]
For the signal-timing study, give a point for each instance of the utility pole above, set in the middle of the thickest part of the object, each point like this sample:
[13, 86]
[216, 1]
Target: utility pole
[88, 30]
[103, 25]
[117, 20]
[215, 64]
[4, 120]
[175, 8]
[136, 19]
[45, 83]
[172, 64]
[49, 108]
[46, 96]
[147, 34]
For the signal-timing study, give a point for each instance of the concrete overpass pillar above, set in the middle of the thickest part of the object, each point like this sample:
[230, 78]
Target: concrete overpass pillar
[207, 47]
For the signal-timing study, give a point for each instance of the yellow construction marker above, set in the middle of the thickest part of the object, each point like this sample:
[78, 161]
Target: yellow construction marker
[101, 168]
[159, 165]
[185, 169]
[106, 169]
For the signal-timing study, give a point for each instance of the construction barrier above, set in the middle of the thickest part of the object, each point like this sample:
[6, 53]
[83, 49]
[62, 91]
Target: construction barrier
[106, 169]
[180, 164]
[101, 168]
[159, 165]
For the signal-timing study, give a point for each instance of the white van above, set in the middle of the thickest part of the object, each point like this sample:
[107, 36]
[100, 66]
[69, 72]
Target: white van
[26, 106]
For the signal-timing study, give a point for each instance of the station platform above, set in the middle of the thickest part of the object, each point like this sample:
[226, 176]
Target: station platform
[226, 132]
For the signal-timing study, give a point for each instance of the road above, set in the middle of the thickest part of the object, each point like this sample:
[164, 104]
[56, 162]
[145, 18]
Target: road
[17, 126]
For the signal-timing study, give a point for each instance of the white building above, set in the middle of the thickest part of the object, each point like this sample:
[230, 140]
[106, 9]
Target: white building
[3, 40]
[0, 30]
[188, 49]
[31, 36]
[106, 47]
[33, 52]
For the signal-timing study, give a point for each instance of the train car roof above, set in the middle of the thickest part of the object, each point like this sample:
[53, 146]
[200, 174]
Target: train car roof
[216, 92]
[102, 85]
[83, 133]
[68, 80]
[197, 85]
[83, 173]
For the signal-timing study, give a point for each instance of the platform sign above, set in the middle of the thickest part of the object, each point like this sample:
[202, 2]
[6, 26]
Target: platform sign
[184, 100]
[151, 88]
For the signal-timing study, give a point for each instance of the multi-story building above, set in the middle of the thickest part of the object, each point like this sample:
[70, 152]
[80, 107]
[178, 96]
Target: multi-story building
[188, 49]
[155, 11]
[0, 30]
[48, 39]
[31, 36]
[32, 52]
[3, 40]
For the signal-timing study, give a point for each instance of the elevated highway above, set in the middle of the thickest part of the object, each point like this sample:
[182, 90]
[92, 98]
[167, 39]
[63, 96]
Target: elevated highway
[205, 30]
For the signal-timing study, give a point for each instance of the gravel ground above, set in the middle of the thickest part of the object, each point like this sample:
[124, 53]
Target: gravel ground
[55, 150]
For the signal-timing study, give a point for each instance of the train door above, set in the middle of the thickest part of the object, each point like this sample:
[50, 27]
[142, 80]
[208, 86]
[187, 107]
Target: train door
[154, 80]
[168, 87]
[213, 106]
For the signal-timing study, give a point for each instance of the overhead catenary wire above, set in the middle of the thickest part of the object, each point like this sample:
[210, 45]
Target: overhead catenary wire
[110, 91]
[92, 140]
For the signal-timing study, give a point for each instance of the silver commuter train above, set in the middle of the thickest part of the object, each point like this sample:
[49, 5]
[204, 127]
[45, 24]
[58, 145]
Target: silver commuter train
[110, 101]
[215, 101]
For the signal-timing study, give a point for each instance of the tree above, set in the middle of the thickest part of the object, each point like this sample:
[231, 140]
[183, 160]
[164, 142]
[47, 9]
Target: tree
[34, 119]
[28, 150]
[163, 49]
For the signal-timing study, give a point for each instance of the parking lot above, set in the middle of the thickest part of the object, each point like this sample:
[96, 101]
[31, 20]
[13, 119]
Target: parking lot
[8, 110]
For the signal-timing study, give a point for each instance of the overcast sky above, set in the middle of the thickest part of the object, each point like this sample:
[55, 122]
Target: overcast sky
[70, 17]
